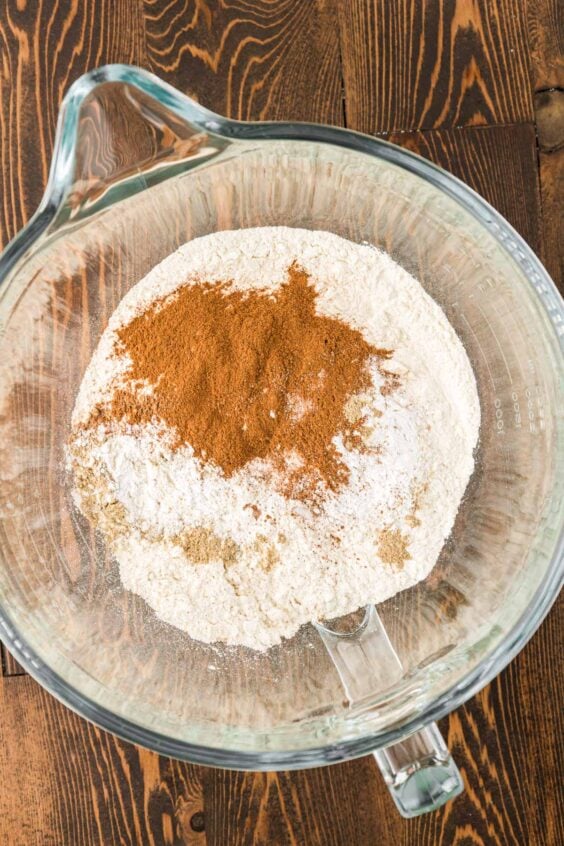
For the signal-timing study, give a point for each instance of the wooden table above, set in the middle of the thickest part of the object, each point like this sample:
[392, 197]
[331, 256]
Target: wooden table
[475, 85]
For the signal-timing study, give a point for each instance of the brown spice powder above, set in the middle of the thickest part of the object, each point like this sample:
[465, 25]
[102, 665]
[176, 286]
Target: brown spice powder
[222, 364]
[392, 548]
[201, 546]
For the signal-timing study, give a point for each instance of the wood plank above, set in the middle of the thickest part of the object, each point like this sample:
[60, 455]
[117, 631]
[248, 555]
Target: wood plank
[500, 163]
[545, 21]
[549, 111]
[331, 806]
[64, 782]
[254, 60]
[420, 64]
[552, 191]
[529, 716]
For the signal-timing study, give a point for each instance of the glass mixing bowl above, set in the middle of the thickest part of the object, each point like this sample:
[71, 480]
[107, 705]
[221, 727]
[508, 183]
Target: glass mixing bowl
[138, 170]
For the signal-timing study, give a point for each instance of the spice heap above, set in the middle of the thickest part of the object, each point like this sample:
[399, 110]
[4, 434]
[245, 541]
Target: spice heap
[277, 427]
[245, 375]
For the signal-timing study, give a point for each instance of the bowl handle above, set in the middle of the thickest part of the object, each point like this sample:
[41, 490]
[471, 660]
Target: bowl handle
[419, 770]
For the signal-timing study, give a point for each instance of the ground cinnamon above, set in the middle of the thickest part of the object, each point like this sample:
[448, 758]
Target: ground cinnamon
[246, 375]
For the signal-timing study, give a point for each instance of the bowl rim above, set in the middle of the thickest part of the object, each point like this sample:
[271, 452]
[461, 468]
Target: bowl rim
[544, 289]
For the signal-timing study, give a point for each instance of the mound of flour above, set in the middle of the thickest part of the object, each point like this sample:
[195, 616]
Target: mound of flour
[296, 562]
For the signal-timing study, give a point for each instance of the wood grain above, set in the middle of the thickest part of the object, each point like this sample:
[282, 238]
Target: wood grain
[552, 190]
[408, 65]
[44, 47]
[250, 60]
[545, 19]
[549, 111]
[426, 64]
[500, 163]
[545, 22]
[73, 784]
[491, 738]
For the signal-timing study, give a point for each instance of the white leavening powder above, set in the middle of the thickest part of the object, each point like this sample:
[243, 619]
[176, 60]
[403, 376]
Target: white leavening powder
[296, 562]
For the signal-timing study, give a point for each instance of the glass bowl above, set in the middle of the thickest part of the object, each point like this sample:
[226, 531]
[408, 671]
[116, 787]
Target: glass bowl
[139, 169]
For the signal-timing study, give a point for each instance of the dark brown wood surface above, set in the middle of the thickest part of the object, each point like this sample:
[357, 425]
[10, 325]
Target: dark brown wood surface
[474, 85]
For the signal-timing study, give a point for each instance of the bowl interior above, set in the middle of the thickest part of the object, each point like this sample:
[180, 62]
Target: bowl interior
[62, 591]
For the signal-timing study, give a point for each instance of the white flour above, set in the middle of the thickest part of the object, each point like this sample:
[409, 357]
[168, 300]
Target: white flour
[323, 561]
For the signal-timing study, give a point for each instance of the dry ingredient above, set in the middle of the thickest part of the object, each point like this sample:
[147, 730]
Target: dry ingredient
[258, 375]
[277, 427]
